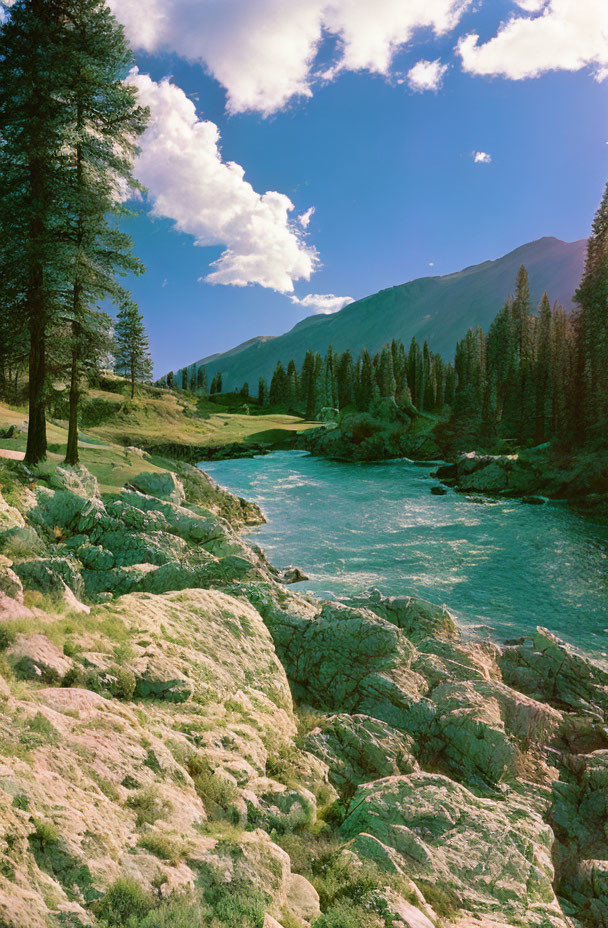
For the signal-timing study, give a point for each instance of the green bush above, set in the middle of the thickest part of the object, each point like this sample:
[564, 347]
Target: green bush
[164, 846]
[148, 806]
[347, 915]
[125, 905]
[211, 787]
[237, 906]
[44, 835]
[442, 899]
[7, 636]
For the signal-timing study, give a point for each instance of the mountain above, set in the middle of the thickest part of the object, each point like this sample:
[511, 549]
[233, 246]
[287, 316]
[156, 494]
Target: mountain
[439, 309]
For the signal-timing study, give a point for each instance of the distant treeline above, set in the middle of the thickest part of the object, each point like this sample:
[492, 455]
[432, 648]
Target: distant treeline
[534, 377]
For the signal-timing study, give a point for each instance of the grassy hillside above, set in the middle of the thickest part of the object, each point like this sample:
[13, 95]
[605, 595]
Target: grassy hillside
[115, 429]
[438, 309]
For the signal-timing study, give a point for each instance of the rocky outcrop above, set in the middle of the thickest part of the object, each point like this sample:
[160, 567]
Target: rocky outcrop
[150, 736]
[535, 475]
[487, 856]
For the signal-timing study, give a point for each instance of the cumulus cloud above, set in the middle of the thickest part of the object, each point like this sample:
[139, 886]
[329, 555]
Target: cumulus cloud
[482, 157]
[263, 53]
[426, 75]
[304, 218]
[323, 303]
[556, 35]
[188, 181]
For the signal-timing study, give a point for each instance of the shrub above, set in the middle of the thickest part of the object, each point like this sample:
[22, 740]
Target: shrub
[44, 835]
[442, 899]
[347, 915]
[237, 906]
[148, 806]
[7, 636]
[124, 903]
[164, 846]
[210, 786]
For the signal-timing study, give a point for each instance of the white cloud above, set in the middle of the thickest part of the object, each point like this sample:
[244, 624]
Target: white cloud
[304, 218]
[263, 52]
[426, 75]
[182, 167]
[323, 303]
[567, 35]
[482, 157]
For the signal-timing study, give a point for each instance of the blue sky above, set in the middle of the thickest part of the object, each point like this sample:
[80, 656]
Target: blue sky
[389, 170]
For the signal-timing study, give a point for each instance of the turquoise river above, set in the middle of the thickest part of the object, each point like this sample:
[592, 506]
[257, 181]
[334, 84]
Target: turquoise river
[503, 567]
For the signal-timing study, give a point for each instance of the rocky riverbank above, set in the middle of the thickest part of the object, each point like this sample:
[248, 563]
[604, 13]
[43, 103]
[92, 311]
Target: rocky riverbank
[533, 476]
[187, 742]
[388, 431]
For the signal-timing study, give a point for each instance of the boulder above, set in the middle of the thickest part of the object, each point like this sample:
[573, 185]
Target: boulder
[490, 857]
[552, 671]
[302, 898]
[162, 485]
[357, 749]
[51, 575]
[439, 490]
[417, 618]
[34, 657]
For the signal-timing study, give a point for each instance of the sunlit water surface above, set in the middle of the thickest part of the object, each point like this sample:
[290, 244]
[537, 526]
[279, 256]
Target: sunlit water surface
[501, 566]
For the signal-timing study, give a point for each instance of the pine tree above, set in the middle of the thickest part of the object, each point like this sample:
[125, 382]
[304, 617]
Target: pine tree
[307, 384]
[184, 378]
[245, 391]
[278, 386]
[193, 379]
[216, 383]
[591, 327]
[201, 380]
[105, 121]
[262, 392]
[415, 376]
[131, 352]
[386, 376]
[34, 128]
[366, 385]
[170, 380]
[346, 381]
[543, 374]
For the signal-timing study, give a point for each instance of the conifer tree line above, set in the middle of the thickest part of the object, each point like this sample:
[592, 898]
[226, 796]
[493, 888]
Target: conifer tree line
[537, 375]
[69, 127]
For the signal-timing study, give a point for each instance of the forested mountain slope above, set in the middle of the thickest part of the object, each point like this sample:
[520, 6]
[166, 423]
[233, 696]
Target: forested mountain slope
[438, 309]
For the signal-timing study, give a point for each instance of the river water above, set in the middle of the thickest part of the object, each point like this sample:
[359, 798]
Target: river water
[502, 567]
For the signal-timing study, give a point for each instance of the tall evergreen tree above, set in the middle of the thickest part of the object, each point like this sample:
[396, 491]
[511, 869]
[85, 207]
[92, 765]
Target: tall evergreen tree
[262, 392]
[201, 380]
[307, 384]
[543, 374]
[105, 121]
[131, 352]
[591, 327]
[278, 386]
[216, 383]
[34, 128]
[346, 380]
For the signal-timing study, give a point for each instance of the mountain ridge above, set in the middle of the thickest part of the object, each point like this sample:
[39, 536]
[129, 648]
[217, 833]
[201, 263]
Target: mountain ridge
[437, 308]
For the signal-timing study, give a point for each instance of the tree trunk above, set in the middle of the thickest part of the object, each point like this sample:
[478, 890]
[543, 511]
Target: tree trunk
[71, 451]
[36, 432]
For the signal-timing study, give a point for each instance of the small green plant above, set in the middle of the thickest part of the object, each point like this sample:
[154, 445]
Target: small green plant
[210, 786]
[148, 806]
[442, 899]
[164, 846]
[7, 636]
[39, 731]
[44, 835]
[22, 802]
[237, 906]
[125, 904]
[347, 915]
